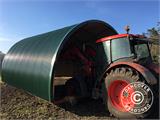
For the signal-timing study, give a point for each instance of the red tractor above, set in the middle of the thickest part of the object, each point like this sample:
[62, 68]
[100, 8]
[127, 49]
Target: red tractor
[130, 62]
[125, 62]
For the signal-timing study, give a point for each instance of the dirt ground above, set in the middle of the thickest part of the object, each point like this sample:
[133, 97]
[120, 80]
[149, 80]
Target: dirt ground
[18, 104]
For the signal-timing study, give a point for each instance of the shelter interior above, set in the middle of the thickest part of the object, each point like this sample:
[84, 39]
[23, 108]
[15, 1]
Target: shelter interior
[78, 57]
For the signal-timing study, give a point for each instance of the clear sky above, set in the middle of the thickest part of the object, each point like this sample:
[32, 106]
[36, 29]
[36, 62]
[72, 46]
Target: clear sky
[25, 18]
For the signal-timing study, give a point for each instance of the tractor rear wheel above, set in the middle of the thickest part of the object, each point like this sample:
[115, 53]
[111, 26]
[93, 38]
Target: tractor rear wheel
[115, 83]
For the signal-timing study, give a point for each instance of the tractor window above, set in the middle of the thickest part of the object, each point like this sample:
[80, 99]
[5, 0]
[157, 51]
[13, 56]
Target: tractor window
[120, 48]
[141, 50]
[106, 46]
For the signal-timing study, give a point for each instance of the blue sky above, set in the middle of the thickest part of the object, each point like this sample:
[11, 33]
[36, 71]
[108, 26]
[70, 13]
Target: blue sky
[21, 19]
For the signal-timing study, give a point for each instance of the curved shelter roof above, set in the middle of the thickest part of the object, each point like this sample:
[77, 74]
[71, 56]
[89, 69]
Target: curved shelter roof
[29, 64]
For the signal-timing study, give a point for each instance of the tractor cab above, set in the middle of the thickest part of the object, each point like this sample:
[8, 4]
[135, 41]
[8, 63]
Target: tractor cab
[127, 47]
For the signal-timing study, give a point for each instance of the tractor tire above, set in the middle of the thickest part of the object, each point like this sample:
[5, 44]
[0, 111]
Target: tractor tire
[115, 82]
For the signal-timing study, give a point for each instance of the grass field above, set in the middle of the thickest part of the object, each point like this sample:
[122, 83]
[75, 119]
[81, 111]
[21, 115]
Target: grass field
[18, 104]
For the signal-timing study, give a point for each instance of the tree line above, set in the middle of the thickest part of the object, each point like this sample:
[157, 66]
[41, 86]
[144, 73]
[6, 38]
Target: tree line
[154, 35]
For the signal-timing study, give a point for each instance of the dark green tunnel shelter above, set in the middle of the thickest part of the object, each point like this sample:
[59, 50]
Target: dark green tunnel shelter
[29, 64]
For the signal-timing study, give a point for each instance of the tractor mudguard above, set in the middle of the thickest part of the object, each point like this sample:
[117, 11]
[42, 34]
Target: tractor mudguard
[149, 77]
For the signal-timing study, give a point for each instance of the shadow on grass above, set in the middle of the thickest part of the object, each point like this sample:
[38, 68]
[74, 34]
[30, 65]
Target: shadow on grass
[88, 107]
